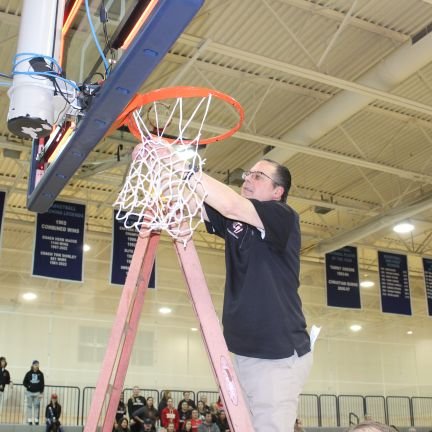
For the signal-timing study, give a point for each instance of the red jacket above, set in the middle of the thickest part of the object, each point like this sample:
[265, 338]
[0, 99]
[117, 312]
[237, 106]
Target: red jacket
[170, 416]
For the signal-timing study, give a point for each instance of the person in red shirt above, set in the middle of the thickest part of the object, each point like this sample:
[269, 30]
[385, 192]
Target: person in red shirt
[195, 420]
[170, 415]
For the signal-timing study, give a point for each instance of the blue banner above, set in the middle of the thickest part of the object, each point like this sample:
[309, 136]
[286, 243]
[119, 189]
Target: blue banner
[427, 268]
[394, 283]
[2, 208]
[123, 246]
[342, 278]
[59, 242]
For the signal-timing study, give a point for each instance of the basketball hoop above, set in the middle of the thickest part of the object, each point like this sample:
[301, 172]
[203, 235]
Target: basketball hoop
[157, 193]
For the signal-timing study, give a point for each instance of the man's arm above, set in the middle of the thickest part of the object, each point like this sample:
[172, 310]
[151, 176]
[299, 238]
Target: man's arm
[226, 201]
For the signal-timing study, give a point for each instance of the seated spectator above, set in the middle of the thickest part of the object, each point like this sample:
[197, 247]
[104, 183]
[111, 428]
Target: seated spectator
[207, 425]
[195, 420]
[222, 422]
[188, 400]
[52, 415]
[184, 413]
[121, 410]
[142, 418]
[171, 428]
[170, 415]
[220, 404]
[148, 425]
[203, 399]
[166, 394]
[123, 425]
[187, 426]
[135, 402]
[201, 407]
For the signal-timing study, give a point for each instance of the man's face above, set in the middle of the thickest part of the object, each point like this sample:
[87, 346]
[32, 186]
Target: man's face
[259, 185]
[184, 406]
[204, 399]
[186, 395]
[135, 391]
[170, 428]
[35, 367]
[147, 427]
[208, 418]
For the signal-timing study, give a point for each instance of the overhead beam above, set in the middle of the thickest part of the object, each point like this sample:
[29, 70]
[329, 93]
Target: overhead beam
[357, 22]
[309, 74]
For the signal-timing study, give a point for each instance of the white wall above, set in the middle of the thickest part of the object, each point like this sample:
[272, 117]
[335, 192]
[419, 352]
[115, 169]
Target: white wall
[381, 359]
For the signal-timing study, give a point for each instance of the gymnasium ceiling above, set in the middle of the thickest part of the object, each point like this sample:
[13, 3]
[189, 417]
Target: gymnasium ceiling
[334, 89]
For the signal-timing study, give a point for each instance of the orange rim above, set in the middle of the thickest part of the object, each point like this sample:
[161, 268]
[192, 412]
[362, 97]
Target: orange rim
[126, 117]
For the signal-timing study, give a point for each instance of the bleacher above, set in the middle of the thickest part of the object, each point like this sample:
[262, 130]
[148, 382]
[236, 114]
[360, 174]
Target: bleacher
[319, 413]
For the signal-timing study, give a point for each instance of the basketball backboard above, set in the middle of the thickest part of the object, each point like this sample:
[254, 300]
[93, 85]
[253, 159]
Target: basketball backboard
[134, 35]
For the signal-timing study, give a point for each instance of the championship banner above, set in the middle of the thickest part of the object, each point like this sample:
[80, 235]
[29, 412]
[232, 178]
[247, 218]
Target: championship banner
[2, 207]
[123, 246]
[427, 269]
[342, 278]
[59, 242]
[394, 283]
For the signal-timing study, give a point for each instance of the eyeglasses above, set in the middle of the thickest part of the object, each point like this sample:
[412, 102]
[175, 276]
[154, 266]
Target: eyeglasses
[257, 175]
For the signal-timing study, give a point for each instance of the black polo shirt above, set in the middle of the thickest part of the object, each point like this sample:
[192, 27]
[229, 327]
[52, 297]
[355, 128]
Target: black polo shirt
[262, 312]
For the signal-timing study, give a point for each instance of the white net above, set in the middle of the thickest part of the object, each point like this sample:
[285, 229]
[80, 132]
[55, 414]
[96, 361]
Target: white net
[163, 189]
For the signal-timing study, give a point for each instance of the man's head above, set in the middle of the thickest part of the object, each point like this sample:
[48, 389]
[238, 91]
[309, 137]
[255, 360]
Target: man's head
[135, 391]
[208, 417]
[266, 181]
[203, 398]
[148, 424]
[35, 365]
[186, 395]
[3, 362]
[170, 427]
[184, 406]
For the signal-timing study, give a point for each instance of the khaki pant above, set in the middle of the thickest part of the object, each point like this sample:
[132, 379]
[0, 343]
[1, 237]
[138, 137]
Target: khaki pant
[272, 389]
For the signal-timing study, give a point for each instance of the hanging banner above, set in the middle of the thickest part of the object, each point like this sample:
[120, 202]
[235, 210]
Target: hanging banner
[2, 211]
[58, 251]
[342, 278]
[394, 283]
[123, 246]
[427, 269]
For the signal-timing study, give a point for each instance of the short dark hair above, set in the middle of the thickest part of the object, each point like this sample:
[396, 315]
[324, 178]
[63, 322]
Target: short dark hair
[282, 178]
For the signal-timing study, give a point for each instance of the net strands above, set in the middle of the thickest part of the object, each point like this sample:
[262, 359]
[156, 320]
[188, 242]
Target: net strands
[158, 194]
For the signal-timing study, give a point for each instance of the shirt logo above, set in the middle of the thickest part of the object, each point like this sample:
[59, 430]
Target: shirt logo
[237, 228]
[34, 379]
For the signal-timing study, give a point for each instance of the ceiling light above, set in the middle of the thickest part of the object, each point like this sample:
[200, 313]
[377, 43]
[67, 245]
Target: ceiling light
[403, 228]
[194, 329]
[29, 296]
[409, 332]
[165, 310]
[367, 284]
[86, 248]
[355, 327]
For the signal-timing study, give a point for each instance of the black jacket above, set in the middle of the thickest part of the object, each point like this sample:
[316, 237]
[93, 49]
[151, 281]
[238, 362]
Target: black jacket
[4, 379]
[53, 413]
[34, 381]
